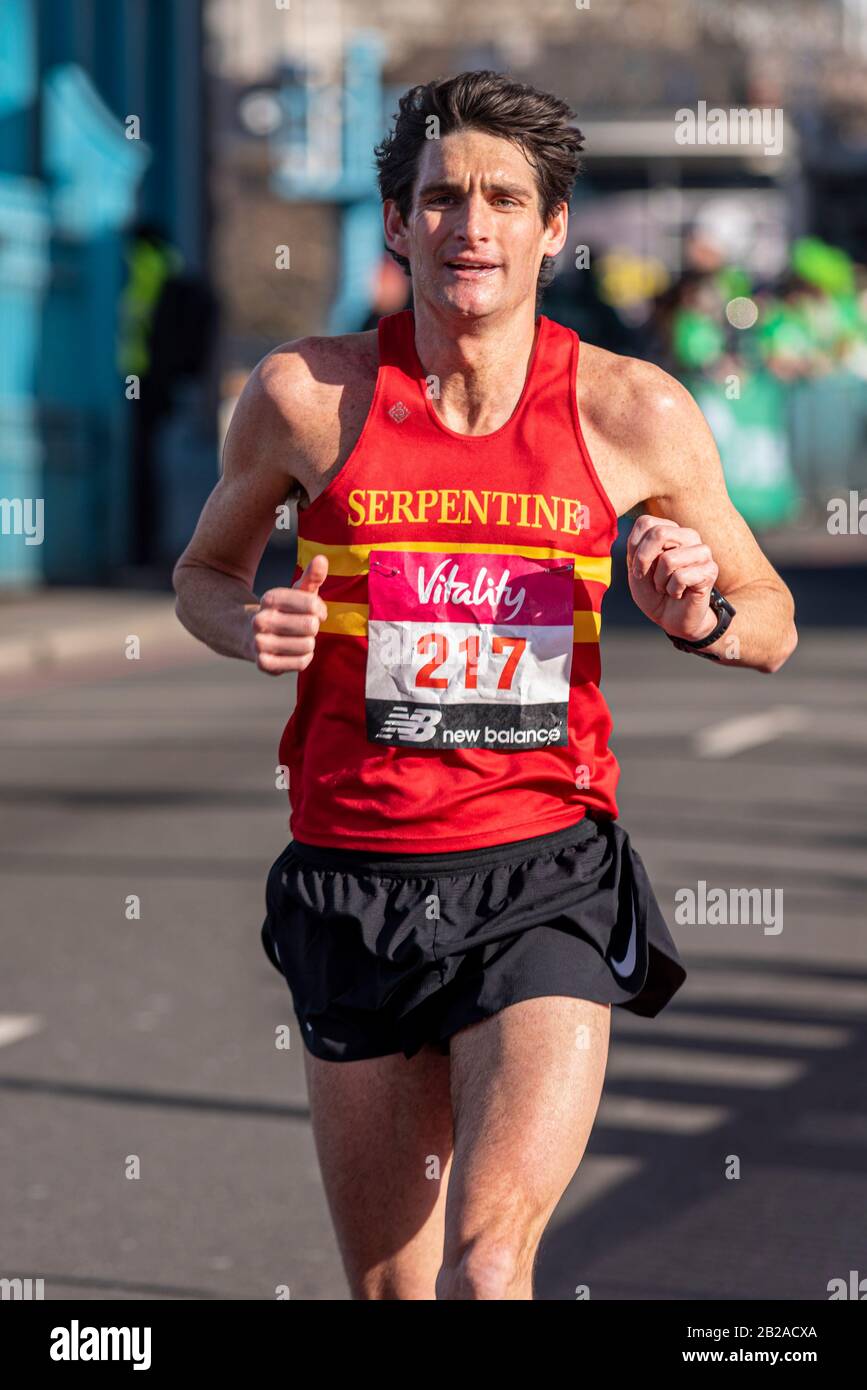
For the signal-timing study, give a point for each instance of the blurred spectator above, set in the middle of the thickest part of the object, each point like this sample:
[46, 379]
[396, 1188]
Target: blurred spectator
[391, 292]
[168, 321]
[809, 324]
[816, 323]
[690, 329]
[574, 298]
[755, 358]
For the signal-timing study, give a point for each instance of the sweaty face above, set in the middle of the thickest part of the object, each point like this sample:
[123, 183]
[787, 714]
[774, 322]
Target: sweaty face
[474, 237]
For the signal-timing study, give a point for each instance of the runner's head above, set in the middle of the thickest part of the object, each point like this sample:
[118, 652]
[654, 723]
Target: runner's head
[475, 180]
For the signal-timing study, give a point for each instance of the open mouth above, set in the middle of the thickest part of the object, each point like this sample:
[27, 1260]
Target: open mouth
[472, 270]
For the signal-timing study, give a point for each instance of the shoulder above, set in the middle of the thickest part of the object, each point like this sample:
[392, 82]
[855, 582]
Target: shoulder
[301, 403]
[314, 372]
[632, 402]
[647, 423]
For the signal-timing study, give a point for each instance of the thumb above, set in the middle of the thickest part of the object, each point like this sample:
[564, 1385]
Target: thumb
[314, 575]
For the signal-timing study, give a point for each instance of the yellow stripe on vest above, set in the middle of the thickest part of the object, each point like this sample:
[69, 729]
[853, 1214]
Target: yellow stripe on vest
[350, 620]
[347, 560]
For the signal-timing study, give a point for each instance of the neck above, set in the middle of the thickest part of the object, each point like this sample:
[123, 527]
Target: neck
[481, 365]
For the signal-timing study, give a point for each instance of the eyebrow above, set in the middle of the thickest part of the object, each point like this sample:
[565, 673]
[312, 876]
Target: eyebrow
[513, 190]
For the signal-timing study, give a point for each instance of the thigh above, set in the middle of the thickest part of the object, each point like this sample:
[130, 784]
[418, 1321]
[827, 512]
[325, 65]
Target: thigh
[526, 1085]
[383, 1133]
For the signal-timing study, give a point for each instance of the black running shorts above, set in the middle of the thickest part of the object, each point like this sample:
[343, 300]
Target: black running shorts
[384, 953]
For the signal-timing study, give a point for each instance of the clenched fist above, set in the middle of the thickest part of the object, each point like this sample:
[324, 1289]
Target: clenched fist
[287, 621]
[671, 573]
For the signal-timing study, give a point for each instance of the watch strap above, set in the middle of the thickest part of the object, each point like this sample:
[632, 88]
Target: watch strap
[724, 611]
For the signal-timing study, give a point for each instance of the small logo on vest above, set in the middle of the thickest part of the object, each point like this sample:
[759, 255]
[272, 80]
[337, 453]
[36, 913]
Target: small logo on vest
[414, 728]
[398, 412]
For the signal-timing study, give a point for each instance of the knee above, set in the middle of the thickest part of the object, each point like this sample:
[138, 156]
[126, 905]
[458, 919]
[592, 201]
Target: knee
[378, 1289]
[487, 1268]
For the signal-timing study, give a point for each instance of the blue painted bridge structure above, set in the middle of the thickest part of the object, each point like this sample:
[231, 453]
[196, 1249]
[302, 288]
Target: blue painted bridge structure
[74, 171]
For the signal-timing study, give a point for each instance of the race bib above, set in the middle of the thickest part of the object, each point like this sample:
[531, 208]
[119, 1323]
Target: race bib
[468, 650]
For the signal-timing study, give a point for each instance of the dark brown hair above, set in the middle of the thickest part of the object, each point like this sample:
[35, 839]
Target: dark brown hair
[540, 125]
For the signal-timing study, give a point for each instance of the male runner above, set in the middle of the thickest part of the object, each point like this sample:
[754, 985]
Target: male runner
[458, 907]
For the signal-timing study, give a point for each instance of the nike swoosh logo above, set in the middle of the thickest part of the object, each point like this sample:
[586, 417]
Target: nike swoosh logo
[626, 966]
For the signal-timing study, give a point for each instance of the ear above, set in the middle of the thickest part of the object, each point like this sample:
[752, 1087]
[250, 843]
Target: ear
[396, 236]
[556, 231]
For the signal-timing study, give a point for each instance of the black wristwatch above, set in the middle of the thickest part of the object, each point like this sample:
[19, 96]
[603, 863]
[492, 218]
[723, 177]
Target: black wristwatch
[724, 612]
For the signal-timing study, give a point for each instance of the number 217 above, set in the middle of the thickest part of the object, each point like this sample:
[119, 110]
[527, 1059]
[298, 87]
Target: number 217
[438, 643]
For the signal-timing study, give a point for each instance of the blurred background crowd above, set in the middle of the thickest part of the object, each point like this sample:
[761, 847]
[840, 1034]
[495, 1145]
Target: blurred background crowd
[184, 186]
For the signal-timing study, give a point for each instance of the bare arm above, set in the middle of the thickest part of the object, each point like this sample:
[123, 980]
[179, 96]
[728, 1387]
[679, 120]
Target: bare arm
[691, 537]
[214, 576]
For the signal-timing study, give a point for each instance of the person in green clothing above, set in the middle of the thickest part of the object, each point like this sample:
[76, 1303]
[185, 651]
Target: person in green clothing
[711, 348]
[151, 262]
[812, 327]
[167, 317]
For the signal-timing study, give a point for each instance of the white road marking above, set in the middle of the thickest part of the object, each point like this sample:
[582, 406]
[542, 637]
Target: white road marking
[836, 997]
[659, 1116]
[682, 1023]
[596, 1178]
[693, 1066]
[749, 730]
[14, 1027]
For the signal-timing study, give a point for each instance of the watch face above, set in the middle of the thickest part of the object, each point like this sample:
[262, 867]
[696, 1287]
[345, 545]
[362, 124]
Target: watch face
[719, 603]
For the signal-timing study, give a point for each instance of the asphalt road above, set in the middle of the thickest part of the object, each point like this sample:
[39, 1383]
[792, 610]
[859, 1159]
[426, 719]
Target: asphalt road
[155, 1038]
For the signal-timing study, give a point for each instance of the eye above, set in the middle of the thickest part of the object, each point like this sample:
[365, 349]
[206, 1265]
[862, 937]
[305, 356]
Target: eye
[504, 198]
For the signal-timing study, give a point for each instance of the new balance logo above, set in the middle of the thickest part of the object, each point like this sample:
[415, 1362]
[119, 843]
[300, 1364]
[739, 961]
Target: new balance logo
[417, 727]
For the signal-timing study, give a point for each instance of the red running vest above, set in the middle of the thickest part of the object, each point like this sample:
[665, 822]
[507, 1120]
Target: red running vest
[453, 698]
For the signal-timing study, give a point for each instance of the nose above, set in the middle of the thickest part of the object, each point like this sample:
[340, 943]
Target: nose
[474, 225]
